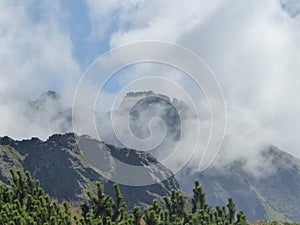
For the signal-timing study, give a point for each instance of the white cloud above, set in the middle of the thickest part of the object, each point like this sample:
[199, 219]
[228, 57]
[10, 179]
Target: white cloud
[35, 55]
[253, 48]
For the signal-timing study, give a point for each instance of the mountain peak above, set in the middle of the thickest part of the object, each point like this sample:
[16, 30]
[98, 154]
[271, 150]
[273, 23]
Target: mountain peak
[49, 95]
[139, 94]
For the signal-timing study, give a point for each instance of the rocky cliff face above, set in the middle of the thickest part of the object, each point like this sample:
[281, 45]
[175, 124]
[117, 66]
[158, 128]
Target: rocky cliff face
[65, 174]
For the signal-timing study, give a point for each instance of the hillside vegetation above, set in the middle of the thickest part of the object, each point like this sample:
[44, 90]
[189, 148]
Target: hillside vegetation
[24, 202]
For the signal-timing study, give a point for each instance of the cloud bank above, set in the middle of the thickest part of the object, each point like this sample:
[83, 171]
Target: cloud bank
[35, 56]
[252, 47]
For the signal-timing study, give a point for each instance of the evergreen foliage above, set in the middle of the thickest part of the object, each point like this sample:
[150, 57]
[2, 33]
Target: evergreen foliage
[24, 202]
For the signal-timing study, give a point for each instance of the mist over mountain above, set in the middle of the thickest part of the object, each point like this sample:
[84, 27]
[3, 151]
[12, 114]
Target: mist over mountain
[252, 51]
[46, 115]
[292, 7]
[271, 195]
[263, 179]
[147, 106]
[265, 182]
[48, 110]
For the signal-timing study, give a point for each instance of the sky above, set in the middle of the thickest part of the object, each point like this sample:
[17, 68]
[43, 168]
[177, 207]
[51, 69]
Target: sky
[252, 46]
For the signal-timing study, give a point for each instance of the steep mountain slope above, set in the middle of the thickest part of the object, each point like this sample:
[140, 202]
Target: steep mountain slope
[275, 195]
[65, 174]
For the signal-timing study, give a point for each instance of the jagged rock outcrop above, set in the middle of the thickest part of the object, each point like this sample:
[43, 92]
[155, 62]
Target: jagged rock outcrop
[65, 174]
